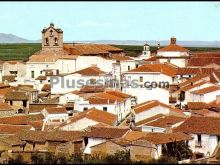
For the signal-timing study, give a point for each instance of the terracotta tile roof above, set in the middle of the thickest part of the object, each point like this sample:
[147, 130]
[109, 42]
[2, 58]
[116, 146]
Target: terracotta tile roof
[9, 78]
[156, 68]
[214, 104]
[57, 136]
[173, 48]
[16, 96]
[20, 119]
[106, 132]
[97, 100]
[118, 94]
[187, 71]
[165, 121]
[46, 88]
[41, 78]
[13, 62]
[36, 124]
[5, 107]
[33, 108]
[2, 85]
[156, 138]
[147, 120]
[204, 58]
[199, 77]
[90, 49]
[197, 105]
[56, 110]
[200, 125]
[12, 140]
[112, 98]
[92, 88]
[189, 87]
[206, 90]
[205, 113]
[145, 106]
[4, 91]
[90, 71]
[164, 138]
[96, 115]
[12, 129]
[120, 58]
[50, 57]
[153, 58]
[25, 85]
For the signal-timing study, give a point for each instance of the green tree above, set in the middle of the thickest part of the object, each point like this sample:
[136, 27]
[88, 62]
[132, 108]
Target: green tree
[178, 150]
[18, 160]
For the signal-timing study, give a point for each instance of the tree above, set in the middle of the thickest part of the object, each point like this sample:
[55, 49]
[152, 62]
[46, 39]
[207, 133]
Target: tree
[178, 150]
[120, 157]
[36, 158]
[18, 160]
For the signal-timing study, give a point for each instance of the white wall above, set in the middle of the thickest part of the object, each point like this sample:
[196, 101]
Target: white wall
[79, 125]
[208, 144]
[151, 112]
[92, 142]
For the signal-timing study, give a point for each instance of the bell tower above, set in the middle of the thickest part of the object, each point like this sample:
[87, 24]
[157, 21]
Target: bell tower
[52, 38]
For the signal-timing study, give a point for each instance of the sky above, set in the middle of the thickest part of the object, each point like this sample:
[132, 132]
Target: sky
[187, 21]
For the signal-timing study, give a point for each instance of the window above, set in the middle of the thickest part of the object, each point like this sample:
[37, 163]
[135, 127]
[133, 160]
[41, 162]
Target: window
[199, 140]
[32, 74]
[85, 108]
[129, 67]
[13, 72]
[105, 108]
[41, 72]
[47, 66]
[145, 53]
[51, 32]
[56, 41]
[48, 80]
[141, 79]
[46, 41]
[218, 138]
[136, 65]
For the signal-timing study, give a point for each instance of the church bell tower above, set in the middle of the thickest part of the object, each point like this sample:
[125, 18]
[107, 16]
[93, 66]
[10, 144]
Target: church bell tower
[52, 38]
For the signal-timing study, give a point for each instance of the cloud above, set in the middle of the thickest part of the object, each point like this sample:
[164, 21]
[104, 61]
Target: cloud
[93, 24]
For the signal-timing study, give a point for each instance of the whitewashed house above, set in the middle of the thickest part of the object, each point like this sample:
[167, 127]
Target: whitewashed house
[207, 94]
[174, 54]
[65, 83]
[98, 135]
[183, 93]
[149, 82]
[113, 102]
[55, 115]
[205, 132]
[89, 118]
[153, 108]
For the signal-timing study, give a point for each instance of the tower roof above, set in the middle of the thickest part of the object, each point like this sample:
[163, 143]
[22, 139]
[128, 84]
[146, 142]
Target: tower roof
[52, 26]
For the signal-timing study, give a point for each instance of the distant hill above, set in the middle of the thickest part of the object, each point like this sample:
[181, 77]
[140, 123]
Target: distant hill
[154, 43]
[11, 38]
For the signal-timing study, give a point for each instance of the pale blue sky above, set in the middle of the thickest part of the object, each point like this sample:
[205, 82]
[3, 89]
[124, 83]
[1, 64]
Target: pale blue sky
[114, 20]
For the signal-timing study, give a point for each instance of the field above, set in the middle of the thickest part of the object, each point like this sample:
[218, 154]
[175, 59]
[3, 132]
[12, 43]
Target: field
[18, 51]
[23, 51]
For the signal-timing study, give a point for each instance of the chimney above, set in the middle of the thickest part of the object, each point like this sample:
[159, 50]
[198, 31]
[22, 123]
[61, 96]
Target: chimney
[173, 40]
